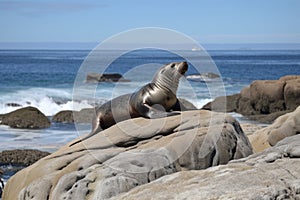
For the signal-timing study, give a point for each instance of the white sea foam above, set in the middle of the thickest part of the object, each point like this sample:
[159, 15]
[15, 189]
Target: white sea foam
[48, 100]
[201, 102]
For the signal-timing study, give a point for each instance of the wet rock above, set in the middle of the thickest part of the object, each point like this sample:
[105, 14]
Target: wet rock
[68, 116]
[23, 157]
[65, 116]
[114, 77]
[11, 161]
[13, 105]
[25, 118]
[130, 154]
[84, 115]
[224, 104]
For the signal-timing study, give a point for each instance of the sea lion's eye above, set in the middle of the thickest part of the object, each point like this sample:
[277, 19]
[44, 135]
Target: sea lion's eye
[173, 65]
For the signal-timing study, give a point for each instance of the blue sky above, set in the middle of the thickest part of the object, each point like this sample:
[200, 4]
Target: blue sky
[207, 21]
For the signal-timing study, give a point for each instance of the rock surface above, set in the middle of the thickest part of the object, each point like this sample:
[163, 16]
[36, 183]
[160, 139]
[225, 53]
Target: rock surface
[26, 118]
[95, 78]
[263, 100]
[132, 153]
[272, 174]
[23, 157]
[284, 126]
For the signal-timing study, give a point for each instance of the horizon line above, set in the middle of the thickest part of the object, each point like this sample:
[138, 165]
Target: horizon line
[92, 45]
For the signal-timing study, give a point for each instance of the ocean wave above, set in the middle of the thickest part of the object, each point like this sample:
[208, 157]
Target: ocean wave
[48, 100]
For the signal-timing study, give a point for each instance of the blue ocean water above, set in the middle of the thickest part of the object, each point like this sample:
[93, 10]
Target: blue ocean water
[45, 79]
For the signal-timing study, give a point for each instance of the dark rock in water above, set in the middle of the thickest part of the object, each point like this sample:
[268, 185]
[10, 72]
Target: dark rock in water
[95, 78]
[13, 105]
[65, 116]
[68, 116]
[26, 118]
[11, 161]
[263, 100]
[223, 104]
[84, 115]
[130, 154]
[24, 157]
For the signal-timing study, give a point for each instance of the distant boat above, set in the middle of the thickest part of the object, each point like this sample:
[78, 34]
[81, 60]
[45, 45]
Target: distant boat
[196, 49]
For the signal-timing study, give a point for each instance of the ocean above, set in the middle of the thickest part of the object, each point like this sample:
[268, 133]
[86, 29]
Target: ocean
[45, 79]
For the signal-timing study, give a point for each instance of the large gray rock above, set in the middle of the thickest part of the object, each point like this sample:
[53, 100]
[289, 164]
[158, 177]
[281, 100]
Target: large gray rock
[130, 154]
[25, 118]
[273, 174]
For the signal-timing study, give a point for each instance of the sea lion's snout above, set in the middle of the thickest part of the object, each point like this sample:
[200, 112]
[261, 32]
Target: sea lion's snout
[182, 67]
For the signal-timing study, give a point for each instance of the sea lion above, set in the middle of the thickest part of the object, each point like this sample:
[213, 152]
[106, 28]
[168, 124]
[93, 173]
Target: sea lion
[154, 100]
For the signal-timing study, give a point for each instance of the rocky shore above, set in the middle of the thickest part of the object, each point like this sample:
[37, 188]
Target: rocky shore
[196, 155]
[263, 100]
[200, 154]
[126, 156]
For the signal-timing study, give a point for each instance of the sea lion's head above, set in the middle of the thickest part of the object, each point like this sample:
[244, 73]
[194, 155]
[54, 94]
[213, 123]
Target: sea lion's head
[168, 76]
[172, 69]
